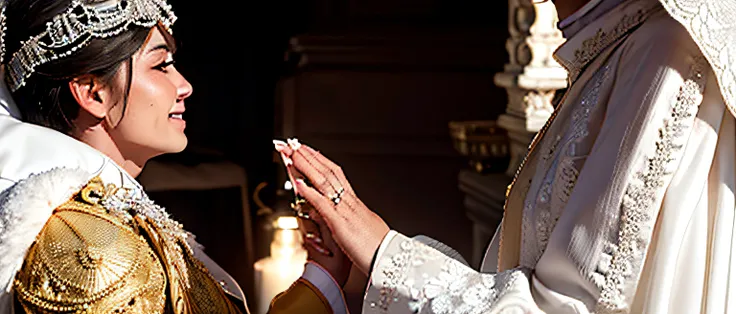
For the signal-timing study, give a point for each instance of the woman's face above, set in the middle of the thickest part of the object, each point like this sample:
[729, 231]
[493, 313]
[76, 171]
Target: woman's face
[152, 123]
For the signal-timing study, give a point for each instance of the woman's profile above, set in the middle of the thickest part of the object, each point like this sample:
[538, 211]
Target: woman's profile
[89, 94]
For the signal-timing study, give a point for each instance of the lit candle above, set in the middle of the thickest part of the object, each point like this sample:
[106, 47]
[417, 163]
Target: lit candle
[274, 274]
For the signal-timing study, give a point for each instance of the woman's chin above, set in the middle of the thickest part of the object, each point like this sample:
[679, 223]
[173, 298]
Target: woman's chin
[182, 144]
[177, 144]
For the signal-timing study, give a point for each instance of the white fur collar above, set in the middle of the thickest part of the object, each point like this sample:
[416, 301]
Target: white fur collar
[24, 209]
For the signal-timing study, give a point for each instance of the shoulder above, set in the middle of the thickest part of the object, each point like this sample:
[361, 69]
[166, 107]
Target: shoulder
[662, 38]
[27, 149]
[24, 209]
[86, 258]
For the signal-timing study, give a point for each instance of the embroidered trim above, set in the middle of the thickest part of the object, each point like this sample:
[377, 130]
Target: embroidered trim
[637, 214]
[560, 177]
[455, 289]
[593, 46]
[395, 272]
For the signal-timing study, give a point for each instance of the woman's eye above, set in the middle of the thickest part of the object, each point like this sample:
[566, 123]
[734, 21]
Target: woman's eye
[164, 65]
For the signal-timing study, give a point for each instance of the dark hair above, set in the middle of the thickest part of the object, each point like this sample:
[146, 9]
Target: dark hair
[46, 98]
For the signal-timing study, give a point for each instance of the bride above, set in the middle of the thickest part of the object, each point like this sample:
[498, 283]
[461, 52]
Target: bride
[625, 202]
[89, 94]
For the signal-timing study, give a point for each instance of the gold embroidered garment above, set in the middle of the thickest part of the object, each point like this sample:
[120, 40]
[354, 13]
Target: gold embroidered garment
[625, 203]
[111, 250]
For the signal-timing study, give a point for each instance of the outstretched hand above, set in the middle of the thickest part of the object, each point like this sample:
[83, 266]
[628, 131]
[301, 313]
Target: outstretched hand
[357, 229]
[322, 248]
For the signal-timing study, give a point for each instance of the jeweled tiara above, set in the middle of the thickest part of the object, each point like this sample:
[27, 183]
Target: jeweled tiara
[70, 31]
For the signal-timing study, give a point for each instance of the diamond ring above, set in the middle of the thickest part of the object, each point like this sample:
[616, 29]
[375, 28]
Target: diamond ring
[337, 197]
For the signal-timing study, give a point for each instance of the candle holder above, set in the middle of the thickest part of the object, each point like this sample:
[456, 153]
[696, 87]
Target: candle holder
[275, 273]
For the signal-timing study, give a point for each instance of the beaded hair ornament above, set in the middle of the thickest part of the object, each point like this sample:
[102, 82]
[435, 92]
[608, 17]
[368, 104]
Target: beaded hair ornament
[73, 29]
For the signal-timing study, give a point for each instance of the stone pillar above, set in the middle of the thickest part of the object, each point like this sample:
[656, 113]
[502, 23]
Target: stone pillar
[532, 76]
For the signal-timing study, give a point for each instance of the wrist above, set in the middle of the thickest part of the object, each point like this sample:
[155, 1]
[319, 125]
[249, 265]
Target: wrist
[385, 237]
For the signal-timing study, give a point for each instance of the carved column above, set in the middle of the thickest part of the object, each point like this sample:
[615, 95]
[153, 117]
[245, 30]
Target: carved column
[532, 76]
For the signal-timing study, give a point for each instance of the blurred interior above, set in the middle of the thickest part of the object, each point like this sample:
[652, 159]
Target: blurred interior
[419, 101]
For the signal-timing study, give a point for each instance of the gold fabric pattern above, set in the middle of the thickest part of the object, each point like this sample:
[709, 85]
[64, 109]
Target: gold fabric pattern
[86, 261]
[111, 250]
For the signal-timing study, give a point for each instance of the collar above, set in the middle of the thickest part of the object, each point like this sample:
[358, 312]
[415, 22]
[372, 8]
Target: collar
[579, 13]
[112, 173]
[587, 43]
[586, 15]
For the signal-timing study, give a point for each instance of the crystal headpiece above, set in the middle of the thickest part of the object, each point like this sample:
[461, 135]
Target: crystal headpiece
[3, 4]
[72, 30]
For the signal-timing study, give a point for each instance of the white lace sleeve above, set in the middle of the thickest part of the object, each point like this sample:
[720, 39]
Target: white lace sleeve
[410, 277]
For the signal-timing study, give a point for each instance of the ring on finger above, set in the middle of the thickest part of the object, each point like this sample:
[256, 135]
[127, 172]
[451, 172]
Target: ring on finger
[337, 197]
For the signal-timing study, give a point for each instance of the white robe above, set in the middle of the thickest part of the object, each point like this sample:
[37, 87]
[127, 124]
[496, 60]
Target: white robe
[625, 202]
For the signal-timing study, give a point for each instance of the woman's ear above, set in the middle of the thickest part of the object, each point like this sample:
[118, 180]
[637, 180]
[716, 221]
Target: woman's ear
[91, 95]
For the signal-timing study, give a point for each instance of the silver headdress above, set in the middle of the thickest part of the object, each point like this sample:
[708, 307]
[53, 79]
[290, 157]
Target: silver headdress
[3, 4]
[73, 29]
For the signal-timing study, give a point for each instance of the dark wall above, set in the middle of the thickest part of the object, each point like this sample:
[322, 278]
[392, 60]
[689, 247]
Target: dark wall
[374, 86]
[371, 83]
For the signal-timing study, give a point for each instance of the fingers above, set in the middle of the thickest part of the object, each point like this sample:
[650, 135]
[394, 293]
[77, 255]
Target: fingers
[325, 175]
[313, 248]
[326, 162]
[312, 233]
[283, 148]
[321, 204]
[319, 175]
[315, 217]
[335, 172]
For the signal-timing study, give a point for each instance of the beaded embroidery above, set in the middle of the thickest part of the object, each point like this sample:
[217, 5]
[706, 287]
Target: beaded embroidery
[126, 203]
[638, 208]
[455, 289]
[541, 214]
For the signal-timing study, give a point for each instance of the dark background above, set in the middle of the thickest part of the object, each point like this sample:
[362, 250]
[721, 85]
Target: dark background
[373, 84]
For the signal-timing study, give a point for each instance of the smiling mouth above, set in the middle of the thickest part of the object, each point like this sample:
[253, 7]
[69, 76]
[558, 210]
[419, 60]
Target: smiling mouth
[176, 116]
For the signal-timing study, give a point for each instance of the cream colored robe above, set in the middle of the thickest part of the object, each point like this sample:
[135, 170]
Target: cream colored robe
[625, 202]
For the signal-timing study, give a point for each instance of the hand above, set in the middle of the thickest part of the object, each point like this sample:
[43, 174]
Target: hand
[322, 248]
[357, 229]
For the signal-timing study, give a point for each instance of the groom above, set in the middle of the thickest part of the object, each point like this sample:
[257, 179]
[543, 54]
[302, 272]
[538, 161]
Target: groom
[626, 201]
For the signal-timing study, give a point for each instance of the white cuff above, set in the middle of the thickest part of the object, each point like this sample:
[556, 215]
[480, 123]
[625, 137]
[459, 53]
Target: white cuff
[384, 244]
[321, 278]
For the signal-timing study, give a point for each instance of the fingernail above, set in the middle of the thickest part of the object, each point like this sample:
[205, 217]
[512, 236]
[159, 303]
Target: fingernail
[301, 182]
[313, 237]
[280, 145]
[294, 143]
[320, 249]
[287, 160]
